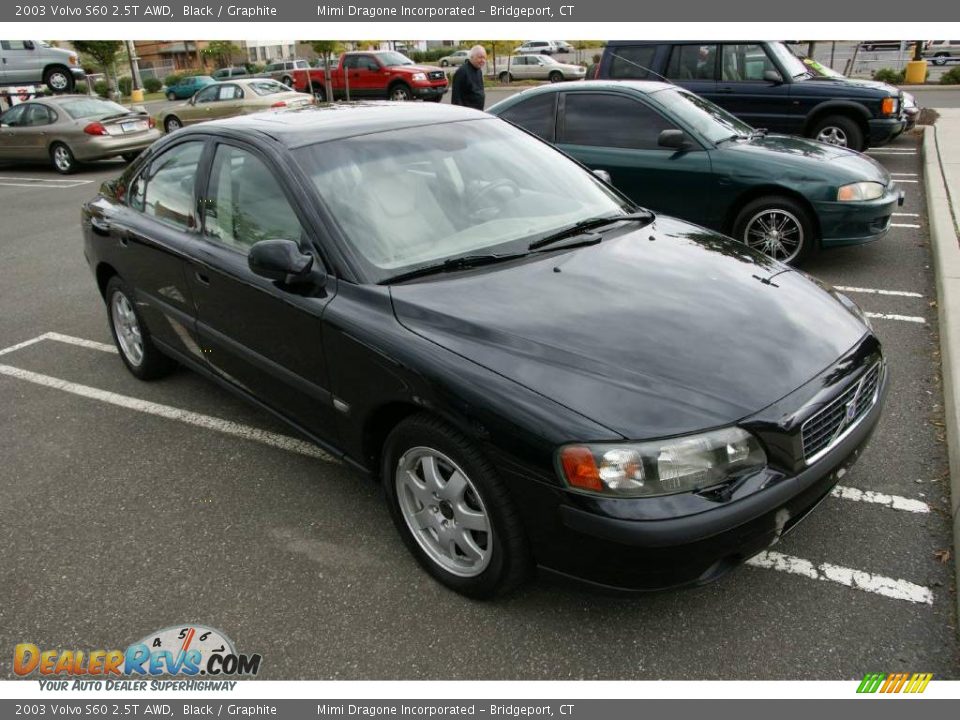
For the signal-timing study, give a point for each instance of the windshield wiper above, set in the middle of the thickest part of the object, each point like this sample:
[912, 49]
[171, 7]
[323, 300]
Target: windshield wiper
[457, 263]
[589, 224]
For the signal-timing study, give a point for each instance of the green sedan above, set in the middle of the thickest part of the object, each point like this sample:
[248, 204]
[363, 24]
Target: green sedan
[672, 151]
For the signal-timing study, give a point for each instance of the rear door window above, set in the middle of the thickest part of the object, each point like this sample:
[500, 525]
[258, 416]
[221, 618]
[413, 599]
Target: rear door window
[692, 62]
[536, 115]
[606, 120]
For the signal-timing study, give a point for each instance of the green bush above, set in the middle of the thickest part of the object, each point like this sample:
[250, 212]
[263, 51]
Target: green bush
[419, 56]
[101, 88]
[152, 85]
[888, 75]
[126, 85]
[81, 88]
[951, 77]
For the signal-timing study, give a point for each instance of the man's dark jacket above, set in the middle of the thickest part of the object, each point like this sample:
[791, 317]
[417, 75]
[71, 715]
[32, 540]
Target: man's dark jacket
[468, 86]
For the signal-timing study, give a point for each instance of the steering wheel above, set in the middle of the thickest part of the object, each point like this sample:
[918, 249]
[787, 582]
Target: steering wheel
[476, 201]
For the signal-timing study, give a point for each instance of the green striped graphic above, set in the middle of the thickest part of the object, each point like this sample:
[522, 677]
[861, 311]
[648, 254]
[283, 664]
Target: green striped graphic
[871, 682]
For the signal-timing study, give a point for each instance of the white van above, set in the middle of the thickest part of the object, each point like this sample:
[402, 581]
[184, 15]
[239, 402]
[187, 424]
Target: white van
[25, 62]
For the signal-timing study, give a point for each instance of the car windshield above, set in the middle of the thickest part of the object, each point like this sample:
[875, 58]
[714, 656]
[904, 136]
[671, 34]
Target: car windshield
[788, 60]
[702, 116]
[414, 197]
[91, 107]
[394, 58]
[268, 87]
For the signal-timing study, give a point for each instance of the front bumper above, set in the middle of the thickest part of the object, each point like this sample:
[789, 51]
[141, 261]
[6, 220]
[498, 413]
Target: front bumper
[429, 91]
[883, 130]
[855, 223]
[78, 73]
[653, 543]
[100, 147]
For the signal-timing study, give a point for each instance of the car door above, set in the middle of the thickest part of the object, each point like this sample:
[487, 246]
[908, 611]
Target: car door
[744, 89]
[258, 334]
[155, 227]
[205, 106]
[368, 77]
[10, 136]
[619, 133]
[21, 62]
[694, 67]
[33, 133]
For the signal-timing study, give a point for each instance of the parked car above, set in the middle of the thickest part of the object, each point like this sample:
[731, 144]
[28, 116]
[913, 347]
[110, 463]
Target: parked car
[662, 145]
[25, 62]
[230, 73]
[870, 45]
[187, 86]
[457, 57]
[375, 74]
[539, 372]
[228, 99]
[65, 130]
[283, 70]
[942, 51]
[538, 47]
[538, 67]
[910, 111]
[765, 85]
[565, 48]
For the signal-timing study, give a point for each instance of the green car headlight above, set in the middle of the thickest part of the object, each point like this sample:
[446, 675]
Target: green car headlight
[661, 467]
[860, 191]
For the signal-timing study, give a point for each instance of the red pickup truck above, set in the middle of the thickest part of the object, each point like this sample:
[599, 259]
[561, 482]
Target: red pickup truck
[374, 74]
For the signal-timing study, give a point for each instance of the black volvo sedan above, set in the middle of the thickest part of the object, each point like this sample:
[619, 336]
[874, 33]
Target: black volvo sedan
[539, 372]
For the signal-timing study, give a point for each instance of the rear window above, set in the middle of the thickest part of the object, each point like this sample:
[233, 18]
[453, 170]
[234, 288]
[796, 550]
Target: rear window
[268, 87]
[91, 107]
[632, 63]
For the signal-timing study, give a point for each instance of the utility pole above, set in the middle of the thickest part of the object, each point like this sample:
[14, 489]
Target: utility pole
[136, 94]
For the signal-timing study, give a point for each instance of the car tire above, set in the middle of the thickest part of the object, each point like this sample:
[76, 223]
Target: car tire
[506, 77]
[62, 158]
[839, 130]
[171, 96]
[779, 227]
[940, 59]
[287, 80]
[445, 532]
[444, 63]
[171, 123]
[58, 79]
[131, 336]
[400, 92]
[555, 77]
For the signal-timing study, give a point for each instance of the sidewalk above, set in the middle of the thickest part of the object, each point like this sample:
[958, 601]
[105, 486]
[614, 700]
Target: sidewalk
[941, 170]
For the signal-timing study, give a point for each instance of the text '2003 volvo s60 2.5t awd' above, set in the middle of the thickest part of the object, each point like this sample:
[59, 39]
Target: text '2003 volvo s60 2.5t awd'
[540, 372]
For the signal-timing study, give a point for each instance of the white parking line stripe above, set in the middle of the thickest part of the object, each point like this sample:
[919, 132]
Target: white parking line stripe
[903, 175]
[42, 187]
[906, 225]
[906, 214]
[904, 318]
[283, 442]
[891, 152]
[858, 579]
[92, 344]
[902, 180]
[871, 291]
[72, 181]
[25, 343]
[895, 502]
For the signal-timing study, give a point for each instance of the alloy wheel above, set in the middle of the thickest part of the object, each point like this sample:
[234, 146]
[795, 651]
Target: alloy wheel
[62, 158]
[833, 135]
[127, 329]
[400, 93]
[776, 233]
[58, 81]
[444, 512]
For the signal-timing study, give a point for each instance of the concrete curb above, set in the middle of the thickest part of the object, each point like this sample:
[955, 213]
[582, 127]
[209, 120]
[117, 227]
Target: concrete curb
[946, 257]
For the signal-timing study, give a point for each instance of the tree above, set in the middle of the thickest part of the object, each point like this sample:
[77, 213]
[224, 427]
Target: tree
[325, 49]
[105, 53]
[222, 52]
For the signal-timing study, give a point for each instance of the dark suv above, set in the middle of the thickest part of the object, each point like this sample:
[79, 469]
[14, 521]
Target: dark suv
[765, 85]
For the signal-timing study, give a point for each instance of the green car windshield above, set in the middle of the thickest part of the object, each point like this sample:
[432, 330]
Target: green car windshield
[712, 123]
[417, 196]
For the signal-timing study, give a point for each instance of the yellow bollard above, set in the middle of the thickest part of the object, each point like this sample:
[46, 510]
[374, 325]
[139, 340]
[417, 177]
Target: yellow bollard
[136, 96]
[916, 72]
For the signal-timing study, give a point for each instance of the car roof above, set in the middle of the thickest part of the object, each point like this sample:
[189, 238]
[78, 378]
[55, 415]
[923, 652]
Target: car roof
[646, 87]
[335, 121]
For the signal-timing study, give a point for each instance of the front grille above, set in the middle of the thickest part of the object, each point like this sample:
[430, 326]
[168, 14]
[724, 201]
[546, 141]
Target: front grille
[823, 430]
[436, 75]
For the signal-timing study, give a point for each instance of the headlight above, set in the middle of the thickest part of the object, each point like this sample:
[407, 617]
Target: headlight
[661, 467]
[419, 77]
[889, 106]
[860, 191]
[73, 59]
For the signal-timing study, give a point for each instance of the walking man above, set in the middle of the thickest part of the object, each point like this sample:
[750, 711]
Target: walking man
[468, 80]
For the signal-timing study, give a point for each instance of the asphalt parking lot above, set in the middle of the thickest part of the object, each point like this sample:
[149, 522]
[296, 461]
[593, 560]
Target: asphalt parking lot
[129, 506]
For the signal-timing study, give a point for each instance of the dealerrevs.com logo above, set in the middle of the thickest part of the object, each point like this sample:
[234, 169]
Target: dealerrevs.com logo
[178, 651]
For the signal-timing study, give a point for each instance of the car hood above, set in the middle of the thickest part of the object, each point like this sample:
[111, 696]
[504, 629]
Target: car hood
[411, 68]
[809, 156]
[663, 330]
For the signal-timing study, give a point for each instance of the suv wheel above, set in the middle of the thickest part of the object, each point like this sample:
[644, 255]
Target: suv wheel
[287, 80]
[778, 227]
[452, 509]
[838, 130]
[401, 92]
[59, 80]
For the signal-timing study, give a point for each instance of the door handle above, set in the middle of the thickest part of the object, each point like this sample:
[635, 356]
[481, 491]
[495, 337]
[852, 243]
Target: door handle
[100, 226]
[202, 278]
[726, 89]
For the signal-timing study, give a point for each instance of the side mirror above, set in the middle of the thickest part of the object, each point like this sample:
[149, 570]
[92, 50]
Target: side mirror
[773, 76]
[603, 175]
[674, 139]
[283, 261]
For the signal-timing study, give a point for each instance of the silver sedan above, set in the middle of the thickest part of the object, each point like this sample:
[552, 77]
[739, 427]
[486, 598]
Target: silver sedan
[67, 129]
